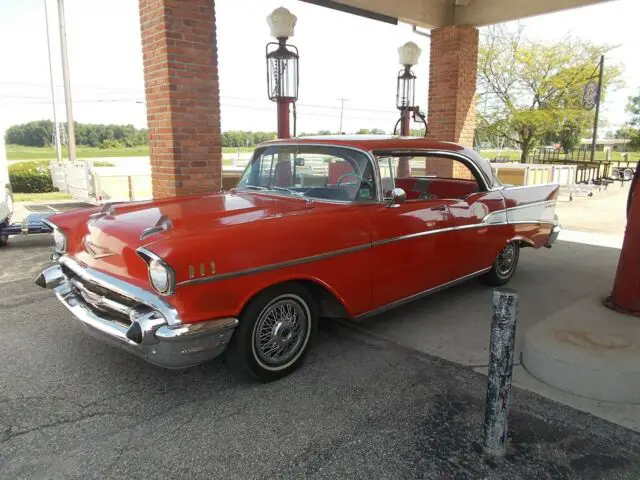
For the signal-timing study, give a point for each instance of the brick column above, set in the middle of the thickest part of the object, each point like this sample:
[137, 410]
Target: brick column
[452, 87]
[183, 99]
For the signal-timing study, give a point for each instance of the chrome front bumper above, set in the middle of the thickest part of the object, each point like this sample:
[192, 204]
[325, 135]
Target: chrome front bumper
[153, 329]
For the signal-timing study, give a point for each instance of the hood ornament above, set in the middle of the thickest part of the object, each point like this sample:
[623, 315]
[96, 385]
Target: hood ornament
[161, 225]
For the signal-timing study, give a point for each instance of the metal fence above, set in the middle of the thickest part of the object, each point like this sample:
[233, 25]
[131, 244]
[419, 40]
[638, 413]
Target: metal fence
[602, 169]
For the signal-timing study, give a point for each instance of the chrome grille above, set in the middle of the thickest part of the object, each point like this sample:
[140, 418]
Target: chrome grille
[103, 300]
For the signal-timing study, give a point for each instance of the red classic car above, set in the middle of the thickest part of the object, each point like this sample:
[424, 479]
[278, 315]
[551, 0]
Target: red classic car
[316, 227]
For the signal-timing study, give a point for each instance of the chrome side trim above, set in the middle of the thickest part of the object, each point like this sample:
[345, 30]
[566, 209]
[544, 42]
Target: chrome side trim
[123, 288]
[409, 236]
[335, 253]
[519, 187]
[532, 204]
[531, 222]
[503, 218]
[422, 294]
[275, 266]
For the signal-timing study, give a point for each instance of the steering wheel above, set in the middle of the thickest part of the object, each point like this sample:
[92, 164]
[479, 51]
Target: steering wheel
[357, 176]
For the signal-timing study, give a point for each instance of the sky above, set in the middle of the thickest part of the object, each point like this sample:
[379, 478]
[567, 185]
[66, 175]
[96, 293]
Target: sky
[341, 56]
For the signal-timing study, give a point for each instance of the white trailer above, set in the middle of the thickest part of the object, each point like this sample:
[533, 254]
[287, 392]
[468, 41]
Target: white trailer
[6, 197]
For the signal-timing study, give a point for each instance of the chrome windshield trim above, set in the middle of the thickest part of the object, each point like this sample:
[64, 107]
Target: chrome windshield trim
[422, 294]
[367, 153]
[122, 288]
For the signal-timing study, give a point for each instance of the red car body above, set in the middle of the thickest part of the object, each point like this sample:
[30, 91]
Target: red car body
[356, 259]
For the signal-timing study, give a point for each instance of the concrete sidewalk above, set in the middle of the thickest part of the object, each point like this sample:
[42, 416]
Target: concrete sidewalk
[455, 324]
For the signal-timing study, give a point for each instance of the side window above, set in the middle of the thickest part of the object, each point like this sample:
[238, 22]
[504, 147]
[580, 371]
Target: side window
[427, 177]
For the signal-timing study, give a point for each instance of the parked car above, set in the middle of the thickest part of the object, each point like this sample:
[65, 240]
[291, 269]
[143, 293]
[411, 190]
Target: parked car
[316, 227]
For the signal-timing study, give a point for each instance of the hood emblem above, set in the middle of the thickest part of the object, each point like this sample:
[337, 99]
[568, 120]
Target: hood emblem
[96, 251]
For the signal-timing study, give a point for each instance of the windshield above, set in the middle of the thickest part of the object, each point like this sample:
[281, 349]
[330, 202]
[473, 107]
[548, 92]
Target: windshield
[320, 172]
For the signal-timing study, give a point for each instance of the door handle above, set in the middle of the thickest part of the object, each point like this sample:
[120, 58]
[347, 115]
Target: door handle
[439, 208]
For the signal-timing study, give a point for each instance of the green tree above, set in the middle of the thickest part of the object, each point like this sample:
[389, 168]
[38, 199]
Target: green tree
[530, 89]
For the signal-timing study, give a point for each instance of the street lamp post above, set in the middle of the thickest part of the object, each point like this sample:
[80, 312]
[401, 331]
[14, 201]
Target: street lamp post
[409, 54]
[282, 67]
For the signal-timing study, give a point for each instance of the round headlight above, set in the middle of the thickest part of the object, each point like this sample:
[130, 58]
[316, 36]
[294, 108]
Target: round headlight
[60, 240]
[159, 276]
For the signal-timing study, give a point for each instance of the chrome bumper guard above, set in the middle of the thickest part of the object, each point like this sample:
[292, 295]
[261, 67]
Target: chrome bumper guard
[134, 319]
[553, 236]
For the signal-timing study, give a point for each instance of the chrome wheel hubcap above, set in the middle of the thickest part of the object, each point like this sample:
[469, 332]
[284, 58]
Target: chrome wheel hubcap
[281, 332]
[506, 260]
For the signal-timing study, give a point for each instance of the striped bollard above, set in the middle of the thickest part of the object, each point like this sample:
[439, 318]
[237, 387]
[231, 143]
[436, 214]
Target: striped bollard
[502, 348]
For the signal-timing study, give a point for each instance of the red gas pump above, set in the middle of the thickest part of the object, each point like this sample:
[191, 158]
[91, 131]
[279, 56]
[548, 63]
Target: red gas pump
[625, 296]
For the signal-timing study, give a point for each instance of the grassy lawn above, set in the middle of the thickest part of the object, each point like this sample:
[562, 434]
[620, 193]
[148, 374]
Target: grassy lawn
[491, 154]
[38, 197]
[18, 152]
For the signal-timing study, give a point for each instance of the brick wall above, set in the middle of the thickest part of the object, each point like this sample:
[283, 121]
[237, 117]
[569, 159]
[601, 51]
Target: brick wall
[452, 85]
[183, 99]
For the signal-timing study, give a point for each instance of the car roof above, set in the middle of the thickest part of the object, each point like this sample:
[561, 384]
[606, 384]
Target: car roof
[375, 143]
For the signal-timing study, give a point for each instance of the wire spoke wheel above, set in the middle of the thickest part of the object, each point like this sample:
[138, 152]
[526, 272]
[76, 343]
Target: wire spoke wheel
[506, 261]
[281, 332]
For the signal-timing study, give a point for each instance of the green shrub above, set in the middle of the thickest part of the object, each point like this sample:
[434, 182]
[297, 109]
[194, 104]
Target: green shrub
[31, 177]
[110, 143]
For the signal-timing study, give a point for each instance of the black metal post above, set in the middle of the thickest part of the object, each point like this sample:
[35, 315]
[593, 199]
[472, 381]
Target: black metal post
[595, 121]
[502, 347]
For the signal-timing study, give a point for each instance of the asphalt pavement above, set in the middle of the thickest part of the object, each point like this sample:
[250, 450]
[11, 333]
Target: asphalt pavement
[360, 407]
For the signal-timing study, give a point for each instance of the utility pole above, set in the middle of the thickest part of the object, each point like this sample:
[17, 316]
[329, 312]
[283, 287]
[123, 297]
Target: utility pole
[67, 84]
[341, 100]
[595, 121]
[53, 90]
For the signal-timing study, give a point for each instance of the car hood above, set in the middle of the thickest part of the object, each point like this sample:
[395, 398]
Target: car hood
[126, 223]
[111, 239]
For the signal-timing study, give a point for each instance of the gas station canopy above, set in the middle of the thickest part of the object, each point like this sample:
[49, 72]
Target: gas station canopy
[442, 13]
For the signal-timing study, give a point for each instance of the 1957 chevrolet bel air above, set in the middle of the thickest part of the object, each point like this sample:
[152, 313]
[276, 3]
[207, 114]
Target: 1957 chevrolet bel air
[316, 227]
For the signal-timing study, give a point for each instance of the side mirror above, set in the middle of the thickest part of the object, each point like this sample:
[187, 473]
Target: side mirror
[398, 196]
[299, 162]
